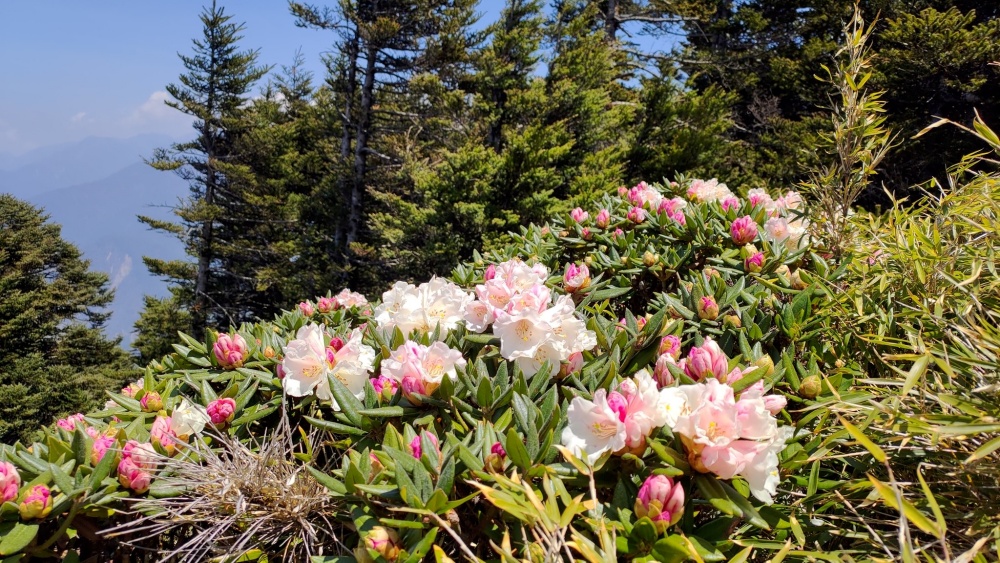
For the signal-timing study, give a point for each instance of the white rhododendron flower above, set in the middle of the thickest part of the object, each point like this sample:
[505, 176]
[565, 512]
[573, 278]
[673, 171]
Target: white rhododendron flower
[420, 369]
[790, 233]
[347, 298]
[309, 362]
[531, 337]
[438, 302]
[188, 418]
[620, 420]
[644, 195]
[705, 191]
[729, 436]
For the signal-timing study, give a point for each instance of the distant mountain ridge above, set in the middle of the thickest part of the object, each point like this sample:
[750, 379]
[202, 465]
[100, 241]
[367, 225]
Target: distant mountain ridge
[95, 189]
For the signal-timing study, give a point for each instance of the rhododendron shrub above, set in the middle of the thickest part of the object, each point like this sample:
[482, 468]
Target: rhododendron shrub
[617, 384]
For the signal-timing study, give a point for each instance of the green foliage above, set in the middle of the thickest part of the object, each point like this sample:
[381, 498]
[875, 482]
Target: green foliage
[53, 357]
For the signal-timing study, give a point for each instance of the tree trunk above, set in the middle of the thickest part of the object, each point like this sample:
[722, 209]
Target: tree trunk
[356, 209]
[611, 20]
[200, 312]
[346, 187]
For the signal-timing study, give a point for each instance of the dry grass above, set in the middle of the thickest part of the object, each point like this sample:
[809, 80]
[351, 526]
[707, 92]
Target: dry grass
[230, 500]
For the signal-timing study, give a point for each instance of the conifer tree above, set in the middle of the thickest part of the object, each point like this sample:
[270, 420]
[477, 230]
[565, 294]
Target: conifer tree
[54, 358]
[213, 92]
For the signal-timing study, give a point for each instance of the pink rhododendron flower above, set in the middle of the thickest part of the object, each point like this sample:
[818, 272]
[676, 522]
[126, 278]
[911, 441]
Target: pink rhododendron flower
[230, 350]
[671, 345]
[730, 437]
[618, 421]
[102, 444]
[163, 436]
[416, 447]
[661, 500]
[662, 372]
[707, 360]
[385, 387]
[743, 230]
[622, 190]
[730, 203]
[780, 230]
[347, 299]
[308, 364]
[326, 304]
[420, 369]
[579, 215]
[132, 389]
[36, 504]
[603, 219]
[136, 466]
[636, 215]
[646, 196]
[221, 411]
[10, 482]
[307, 308]
[576, 277]
[618, 233]
[758, 197]
[754, 263]
[790, 201]
[708, 309]
[69, 423]
[490, 273]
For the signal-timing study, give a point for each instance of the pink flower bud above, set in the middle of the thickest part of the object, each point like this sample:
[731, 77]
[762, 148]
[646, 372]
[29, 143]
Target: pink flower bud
[603, 219]
[572, 365]
[415, 445]
[661, 500]
[671, 345]
[102, 444]
[754, 263]
[132, 389]
[618, 233]
[10, 481]
[136, 466]
[336, 343]
[69, 423]
[661, 372]
[36, 504]
[221, 411]
[497, 449]
[307, 308]
[230, 351]
[730, 203]
[576, 277]
[162, 435]
[707, 360]
[579, 215]
[586, 234]
[151, 402]
[640, 323]
[490, 273]
[743, 230]
[622, 190]
[708, 309]
[326, 304]
[637, 215]
[383, 541]
[775, 403]
[385, 387]
[414, 385]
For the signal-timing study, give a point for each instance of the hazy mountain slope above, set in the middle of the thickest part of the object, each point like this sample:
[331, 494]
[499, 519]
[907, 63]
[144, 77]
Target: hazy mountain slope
[57, 166]
[100, 218]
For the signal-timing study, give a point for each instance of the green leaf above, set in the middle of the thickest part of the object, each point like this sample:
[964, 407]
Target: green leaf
[714, 493]
[15, 536]
[348, 403]
[873, 448]
[516, 451]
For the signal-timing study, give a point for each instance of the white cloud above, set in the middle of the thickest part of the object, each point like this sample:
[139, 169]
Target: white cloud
[154, 108]
[78, 117]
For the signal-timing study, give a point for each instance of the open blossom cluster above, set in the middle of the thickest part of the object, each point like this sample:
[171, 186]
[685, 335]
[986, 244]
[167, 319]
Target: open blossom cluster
[643, 197]
[533, 327]
[704, 191]
[420, 369]
[424, 307]
[313, 357]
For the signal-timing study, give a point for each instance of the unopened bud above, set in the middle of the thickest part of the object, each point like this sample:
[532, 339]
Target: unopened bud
[810, 387]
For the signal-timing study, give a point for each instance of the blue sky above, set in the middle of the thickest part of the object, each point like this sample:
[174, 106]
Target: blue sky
[70, 69]
[73, 69]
